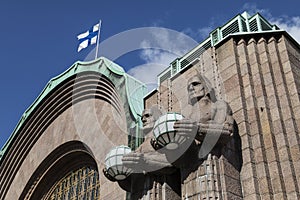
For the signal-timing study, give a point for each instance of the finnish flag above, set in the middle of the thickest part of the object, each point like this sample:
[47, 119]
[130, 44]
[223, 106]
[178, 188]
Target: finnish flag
[88, 38]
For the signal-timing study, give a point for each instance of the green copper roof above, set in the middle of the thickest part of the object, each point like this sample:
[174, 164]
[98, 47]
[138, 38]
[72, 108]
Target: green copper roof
[240, 24]
[135, 89]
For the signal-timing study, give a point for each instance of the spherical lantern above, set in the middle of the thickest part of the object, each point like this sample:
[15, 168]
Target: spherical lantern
[114, 164]
[164, 132]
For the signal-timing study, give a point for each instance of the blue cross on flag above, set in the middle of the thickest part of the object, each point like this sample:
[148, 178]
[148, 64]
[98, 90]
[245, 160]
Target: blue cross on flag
[88, 38]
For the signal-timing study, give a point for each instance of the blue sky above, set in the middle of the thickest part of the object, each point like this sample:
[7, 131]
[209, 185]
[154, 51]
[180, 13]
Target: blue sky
[38, 38]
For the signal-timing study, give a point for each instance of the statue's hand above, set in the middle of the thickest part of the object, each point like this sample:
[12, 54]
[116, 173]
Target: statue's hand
[108, 176]
[186, 127]
[134, 161]
[223, 132]
[145, 162]
[214, 127]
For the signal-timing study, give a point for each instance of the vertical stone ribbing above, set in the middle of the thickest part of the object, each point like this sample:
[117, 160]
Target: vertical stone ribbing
[247, 114]
[272, 130]
[261, 80]
[290, 134]
[271, 112]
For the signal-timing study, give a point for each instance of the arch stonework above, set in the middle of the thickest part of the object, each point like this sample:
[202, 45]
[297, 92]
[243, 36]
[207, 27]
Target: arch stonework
[67, 158]
[87, 113]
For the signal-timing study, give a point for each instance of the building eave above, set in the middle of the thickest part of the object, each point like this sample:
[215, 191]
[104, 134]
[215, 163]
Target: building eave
[76, 68]
[257, 35]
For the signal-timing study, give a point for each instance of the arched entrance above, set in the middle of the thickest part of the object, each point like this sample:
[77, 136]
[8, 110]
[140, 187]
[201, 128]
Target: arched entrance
[69, 172]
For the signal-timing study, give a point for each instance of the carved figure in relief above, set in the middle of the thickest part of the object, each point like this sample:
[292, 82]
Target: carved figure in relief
[209, 126]
[145, 158]
[151, 169]
[210, 120]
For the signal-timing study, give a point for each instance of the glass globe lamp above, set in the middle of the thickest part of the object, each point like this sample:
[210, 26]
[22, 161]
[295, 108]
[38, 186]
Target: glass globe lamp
[114, 164]
[164, 132]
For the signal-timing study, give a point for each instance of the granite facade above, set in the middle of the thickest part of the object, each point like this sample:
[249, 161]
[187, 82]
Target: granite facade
[259, 77]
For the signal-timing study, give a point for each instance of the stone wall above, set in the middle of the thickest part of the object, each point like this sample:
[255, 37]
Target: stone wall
[259, 77]
[262, 108]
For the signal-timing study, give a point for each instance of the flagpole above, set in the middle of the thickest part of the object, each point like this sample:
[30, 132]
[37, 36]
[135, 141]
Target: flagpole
[98, 39]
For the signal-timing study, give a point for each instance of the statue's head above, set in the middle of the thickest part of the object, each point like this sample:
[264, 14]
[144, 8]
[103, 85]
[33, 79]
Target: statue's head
[149, 116]
[199, 87]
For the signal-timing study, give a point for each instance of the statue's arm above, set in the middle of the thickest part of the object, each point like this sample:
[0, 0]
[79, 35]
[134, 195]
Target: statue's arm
[146, 159]
[221, 124]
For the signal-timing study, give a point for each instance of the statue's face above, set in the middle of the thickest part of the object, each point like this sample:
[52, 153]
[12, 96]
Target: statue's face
[196, 89]
[147, 119]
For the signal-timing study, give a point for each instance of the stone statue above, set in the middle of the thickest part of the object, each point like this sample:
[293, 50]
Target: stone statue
[192, 170]
[211, 124]
[208, 116]
[152, 174]
[145, 158]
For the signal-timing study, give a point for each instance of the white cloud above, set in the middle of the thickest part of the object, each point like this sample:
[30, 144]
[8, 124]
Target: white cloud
[147, 73]
[291, 24]
[166, 45]
[201, 33]
[158, 51]
[252, 9]
[205, 31]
